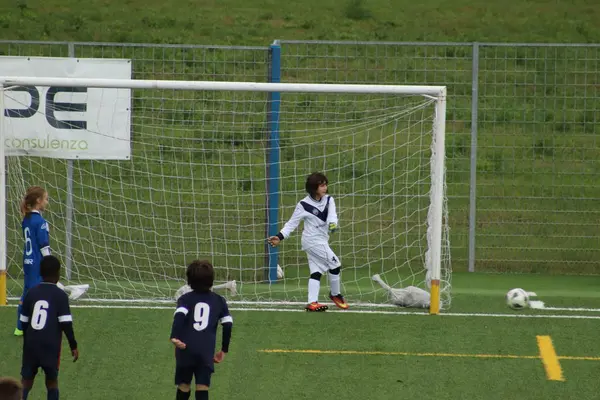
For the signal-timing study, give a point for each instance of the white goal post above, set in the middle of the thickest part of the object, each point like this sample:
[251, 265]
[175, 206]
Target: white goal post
[216, 167]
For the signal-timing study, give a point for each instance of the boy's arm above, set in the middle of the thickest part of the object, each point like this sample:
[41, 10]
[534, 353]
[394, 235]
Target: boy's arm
[66, 324]
[227, 323]
[25, 316]
[227, 328]
[66, 320]
[292, 224]
[181, 313]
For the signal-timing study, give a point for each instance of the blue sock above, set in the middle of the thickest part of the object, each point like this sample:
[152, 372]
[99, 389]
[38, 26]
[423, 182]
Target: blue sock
[19, 310]
[25, 393]
[53, 394]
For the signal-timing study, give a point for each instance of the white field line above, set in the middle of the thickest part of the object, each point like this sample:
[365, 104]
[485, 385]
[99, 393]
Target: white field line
[379, 312]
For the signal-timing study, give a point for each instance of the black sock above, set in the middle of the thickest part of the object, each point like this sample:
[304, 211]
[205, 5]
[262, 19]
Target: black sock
[25, 393]
[182, 395]
[201, 394]
[53, 394]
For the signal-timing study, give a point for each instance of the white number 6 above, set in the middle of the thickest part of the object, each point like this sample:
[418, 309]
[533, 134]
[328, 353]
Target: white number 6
[201, 314]
[40, 315]
[28, 246]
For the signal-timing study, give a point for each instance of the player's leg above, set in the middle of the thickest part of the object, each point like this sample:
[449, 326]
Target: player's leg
[202, 375]
[334, 267]
[51, 367]
[317, 269]
[19, 328]
[27, 385]
[201, 392]
[183, 380]
[183, 391]
[335, 295]
[52, 388]
[29, 370]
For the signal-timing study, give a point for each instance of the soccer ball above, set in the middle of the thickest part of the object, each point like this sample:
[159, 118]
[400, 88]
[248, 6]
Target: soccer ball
[279, 272]
[517, 299]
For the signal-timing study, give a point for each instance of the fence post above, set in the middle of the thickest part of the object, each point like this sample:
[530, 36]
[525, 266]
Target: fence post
[273, 175]
[69, 208]
[473, 167]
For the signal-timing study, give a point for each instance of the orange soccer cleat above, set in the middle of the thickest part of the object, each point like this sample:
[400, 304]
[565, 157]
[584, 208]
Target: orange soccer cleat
[316, 307]
[339, 301]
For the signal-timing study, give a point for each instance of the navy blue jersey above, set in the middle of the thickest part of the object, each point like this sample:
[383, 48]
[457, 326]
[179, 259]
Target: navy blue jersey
[45, 315]
[196, 319]
[37, 237]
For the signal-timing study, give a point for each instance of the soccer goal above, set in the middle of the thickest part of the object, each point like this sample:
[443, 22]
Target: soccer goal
[213, 168]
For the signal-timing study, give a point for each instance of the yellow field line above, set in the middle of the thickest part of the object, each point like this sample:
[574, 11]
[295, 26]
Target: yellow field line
[579, 358]
[550, 359]
[409, 354]
[396, 353]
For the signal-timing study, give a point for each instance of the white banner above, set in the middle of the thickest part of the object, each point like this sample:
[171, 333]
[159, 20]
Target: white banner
[61, 122]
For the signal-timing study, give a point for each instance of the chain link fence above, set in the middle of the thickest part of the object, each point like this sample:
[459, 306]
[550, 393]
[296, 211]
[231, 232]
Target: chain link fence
[522, 158]
[523, 165]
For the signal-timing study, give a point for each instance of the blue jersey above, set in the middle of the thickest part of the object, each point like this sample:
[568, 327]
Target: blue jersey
[199, 316]
[37, 237]
[45, 315]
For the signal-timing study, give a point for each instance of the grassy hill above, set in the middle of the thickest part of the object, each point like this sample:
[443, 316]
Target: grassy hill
[240, 22]
[537, 165]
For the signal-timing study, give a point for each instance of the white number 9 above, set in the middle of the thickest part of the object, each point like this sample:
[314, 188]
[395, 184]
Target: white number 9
[201, 314]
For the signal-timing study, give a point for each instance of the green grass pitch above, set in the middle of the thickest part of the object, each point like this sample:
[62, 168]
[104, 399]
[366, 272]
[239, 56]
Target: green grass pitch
[479, 350]
[125, 353]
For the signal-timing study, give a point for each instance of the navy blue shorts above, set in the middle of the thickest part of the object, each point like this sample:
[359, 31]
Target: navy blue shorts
[33, 362]
[184, 374]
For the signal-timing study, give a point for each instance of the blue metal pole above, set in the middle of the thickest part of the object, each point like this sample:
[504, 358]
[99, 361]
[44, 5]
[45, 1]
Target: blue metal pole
[273, 173]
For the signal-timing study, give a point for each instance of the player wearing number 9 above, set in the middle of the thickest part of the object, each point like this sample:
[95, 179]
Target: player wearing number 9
[45, 316]
[194, 331]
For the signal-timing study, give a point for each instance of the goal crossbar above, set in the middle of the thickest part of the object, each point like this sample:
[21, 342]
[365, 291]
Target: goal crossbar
[438, 92]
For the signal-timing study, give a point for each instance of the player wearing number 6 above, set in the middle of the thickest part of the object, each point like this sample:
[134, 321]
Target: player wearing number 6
[36, 233]
[45, 316]
[318, 212]
[194, 331]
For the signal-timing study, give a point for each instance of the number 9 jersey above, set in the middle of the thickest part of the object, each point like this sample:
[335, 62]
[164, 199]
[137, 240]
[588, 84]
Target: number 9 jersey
[37, 245]
[199, 316]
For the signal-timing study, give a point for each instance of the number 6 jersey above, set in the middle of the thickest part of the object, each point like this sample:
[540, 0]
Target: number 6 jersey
[37, 244]
[45, 315]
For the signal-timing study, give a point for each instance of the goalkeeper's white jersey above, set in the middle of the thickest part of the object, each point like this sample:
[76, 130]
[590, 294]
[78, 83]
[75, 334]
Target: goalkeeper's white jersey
[317, 215]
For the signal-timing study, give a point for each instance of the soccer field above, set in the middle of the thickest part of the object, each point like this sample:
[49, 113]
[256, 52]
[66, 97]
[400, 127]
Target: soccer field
[478, 350]
[537, 200]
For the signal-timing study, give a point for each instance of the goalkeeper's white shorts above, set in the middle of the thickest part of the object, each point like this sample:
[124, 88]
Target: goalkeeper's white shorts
[321, 259]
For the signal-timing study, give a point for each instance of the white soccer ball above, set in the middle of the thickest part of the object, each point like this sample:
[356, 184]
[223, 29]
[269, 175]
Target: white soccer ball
[517, 299]
[279, 272]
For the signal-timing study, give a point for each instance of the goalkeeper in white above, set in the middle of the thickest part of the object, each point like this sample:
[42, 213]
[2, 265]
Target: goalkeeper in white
[317, 210]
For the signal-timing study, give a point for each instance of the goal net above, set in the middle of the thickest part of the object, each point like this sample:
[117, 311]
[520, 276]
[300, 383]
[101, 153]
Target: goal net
[215, 168]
